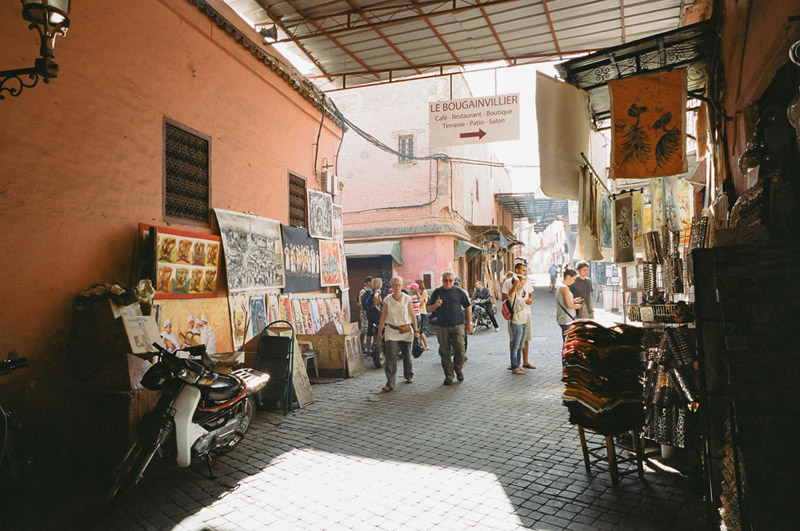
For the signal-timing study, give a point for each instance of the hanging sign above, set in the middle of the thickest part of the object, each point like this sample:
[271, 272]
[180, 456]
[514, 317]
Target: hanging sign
[473, 120]
[648, 119]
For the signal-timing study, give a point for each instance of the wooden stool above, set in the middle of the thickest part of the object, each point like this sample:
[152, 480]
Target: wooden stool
[611, 460]
[309, 353]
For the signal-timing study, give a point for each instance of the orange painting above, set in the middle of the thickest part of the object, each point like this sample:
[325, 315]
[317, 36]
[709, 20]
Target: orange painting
[648, 118]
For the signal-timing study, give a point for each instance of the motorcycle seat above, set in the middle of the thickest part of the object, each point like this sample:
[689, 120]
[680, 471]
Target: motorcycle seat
[224, 388]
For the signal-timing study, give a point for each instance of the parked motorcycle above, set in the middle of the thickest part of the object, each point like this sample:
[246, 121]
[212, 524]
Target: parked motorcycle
[200, 413]
[480, 316]
[9, 424]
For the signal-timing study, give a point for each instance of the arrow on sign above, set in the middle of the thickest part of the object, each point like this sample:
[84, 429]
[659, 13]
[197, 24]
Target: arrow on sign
[480, 133]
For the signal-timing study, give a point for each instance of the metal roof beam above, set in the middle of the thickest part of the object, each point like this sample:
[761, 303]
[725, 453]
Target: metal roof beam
[415, 7]
[333, 40]
[552, 28]
[494, 31]
[385, 38]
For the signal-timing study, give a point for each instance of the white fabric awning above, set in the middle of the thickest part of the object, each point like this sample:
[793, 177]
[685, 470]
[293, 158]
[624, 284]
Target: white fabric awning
[391, 248]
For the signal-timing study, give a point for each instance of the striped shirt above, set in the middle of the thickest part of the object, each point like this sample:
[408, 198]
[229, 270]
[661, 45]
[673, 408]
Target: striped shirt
[415, 301]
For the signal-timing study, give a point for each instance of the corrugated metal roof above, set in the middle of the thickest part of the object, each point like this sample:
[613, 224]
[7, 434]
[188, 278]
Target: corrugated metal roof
[355, 42]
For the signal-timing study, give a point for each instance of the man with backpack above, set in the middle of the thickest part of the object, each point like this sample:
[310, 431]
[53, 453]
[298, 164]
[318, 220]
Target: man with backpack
[363, 310]
[521, 269]
[372, 302]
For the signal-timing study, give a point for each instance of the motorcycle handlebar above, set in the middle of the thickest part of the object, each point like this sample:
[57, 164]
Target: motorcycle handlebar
[9, 365]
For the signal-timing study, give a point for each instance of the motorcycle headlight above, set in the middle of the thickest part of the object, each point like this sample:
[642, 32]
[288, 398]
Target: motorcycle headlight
[188, 376]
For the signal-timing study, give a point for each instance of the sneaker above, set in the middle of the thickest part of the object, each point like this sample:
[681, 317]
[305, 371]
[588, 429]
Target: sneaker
[497, 329]
[460, 376]
[448, 381]
[409, 380]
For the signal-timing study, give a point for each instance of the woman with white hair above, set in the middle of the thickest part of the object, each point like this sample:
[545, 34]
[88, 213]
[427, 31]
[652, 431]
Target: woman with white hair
[398, 316]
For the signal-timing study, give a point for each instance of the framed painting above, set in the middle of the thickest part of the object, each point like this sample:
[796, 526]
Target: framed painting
[186, 264]
[331, 263]
[338, 225]
[300, 260]
[192, 322]
[253, 251]
[320, 214]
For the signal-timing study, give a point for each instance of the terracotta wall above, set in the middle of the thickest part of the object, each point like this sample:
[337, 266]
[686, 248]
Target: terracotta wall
[426, 254]
[81, 158]
[755, 39]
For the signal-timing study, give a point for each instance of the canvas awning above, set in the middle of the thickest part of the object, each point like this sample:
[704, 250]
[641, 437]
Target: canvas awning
[482, 234]
[465, 248]
[391, 248]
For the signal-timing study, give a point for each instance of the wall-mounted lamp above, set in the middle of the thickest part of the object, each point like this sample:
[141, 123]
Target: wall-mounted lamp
[51, 19]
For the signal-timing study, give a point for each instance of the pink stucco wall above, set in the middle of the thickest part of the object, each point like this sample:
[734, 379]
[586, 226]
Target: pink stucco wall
[426, 254]
[82, 156]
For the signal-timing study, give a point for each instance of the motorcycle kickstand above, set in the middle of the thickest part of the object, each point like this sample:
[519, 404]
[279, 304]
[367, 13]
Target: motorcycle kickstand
[210, 464]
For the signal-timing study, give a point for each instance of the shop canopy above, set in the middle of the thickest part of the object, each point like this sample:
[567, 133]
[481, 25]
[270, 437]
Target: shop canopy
[483, 235]
[391, 248]
[464, 248]
[358, 42]
[689, 46]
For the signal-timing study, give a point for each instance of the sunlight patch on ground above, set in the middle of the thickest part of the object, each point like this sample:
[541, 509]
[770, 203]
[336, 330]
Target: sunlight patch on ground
[394, 493]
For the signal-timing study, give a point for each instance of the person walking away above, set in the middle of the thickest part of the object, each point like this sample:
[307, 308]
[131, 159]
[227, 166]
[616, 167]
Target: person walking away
[416, 301]
[454, 313]
[423, 311]
[566, 302]
[373, 302]
[483, 294]
[521, 270]
[362, 311]
[398, 316]
[583, 287]
[553, 271]
[519, 322]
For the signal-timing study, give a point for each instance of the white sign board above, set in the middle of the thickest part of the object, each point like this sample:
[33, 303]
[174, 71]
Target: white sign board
[474, 120]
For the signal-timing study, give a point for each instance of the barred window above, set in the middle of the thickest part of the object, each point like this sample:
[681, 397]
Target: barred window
[405, 145]
[297, 201]
[186, 183]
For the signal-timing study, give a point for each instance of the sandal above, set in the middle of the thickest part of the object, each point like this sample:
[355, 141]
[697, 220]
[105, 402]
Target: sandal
[519, 371]
[386, 388]
[529, 366]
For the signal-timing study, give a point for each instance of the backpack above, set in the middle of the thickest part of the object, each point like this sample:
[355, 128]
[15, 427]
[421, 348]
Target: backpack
[508, 308]
[367, 299]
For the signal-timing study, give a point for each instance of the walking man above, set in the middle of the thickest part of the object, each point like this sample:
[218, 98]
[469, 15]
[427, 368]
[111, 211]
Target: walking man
[363, 311]
[553, 271]
[583, 287]
[521, 269]
[454, 313]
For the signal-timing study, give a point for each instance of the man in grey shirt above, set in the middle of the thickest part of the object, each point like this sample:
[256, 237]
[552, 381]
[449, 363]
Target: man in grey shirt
[583, 287]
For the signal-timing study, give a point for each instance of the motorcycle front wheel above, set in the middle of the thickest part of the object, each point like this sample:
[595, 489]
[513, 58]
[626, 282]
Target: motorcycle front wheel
[135, 462]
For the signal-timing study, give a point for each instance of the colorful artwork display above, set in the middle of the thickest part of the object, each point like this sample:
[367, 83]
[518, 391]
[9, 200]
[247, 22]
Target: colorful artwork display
[331, 263]
[258, 315]
[300, 260]
[186, 263]
[648, 133]
[320, 214]
[623, 229]
[253, 251]
[187, 322]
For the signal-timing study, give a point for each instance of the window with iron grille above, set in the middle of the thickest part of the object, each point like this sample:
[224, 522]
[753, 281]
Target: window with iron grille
[297, 201]
[405, 145]
[186, 183]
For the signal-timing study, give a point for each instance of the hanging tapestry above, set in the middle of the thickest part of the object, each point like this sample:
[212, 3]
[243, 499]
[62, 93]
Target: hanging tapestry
[648, 217]
[300, 260]
[606, 240]
[623, 229]
[320, 214]
[331, 263]
[648, 117]
[685, 209]
[657, 202]
[638, 222]
[253, 251]
[588, 246]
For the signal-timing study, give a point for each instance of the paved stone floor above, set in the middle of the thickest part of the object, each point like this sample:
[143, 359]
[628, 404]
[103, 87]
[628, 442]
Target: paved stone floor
[493, 452]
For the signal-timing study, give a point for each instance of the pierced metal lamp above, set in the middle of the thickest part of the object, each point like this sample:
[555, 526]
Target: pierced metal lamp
[51, 19]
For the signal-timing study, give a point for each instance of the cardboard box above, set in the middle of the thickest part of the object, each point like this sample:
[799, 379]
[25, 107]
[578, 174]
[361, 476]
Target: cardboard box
[338, 349]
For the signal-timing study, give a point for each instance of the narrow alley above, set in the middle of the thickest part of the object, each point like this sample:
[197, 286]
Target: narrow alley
[493, 452]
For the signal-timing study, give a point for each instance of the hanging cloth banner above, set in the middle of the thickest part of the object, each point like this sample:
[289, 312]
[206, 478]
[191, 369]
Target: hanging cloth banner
[638, 222]
[623, 229]
[648, 133]
[588, 245]
[562, 117]
[606, 236]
